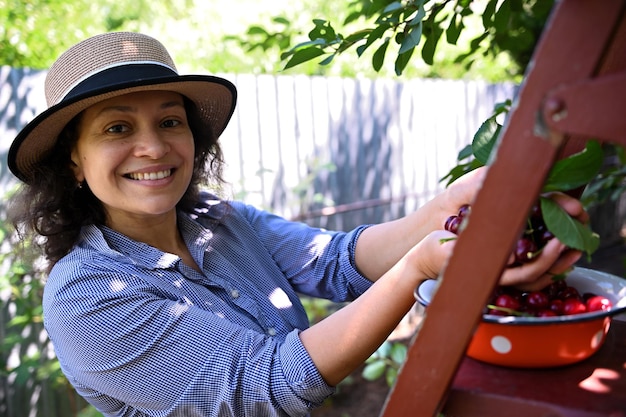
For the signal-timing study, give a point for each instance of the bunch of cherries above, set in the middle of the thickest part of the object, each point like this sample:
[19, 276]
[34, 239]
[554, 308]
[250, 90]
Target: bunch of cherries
[530, 243]
[557, 299]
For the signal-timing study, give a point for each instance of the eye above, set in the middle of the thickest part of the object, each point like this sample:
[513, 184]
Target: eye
[117, 129]
[171, 123]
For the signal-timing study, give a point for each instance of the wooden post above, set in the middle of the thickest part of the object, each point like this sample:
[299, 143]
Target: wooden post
[571, 49]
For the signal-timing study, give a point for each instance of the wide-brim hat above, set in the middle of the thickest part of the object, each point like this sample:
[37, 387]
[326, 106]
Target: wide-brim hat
[106, 66]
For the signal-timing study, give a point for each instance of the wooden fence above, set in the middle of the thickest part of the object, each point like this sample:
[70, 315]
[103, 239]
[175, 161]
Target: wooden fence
[333, 152]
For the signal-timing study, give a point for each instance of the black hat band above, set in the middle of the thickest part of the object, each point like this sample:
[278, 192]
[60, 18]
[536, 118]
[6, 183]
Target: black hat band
[119, 75]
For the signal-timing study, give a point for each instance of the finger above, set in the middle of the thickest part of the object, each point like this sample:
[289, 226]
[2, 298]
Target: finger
[564, 263]
[532, 271]
[511, 260]
[442, 243]
[464, 189]
[437, 246]
[559, 268]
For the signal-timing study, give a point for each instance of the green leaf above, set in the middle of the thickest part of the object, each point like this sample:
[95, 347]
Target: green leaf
[464, 153]
[485, 139]
[398, 353]
[327, 60]
[379, 56]
[402, 60]
[475, 43]
[281, 20]
[412, 39]
[323, 30]
[576, 170]
[304, 55]
[502, 107]
[359, 35]
[460, 170]
[391, 376]
[490, 9]
[374, 370]
[568, 230]
[502, 17]
[373, 36]
[392, 7]
[419, 17]
[19, 321]
[454, 29]
[257, 30]
[430, 43]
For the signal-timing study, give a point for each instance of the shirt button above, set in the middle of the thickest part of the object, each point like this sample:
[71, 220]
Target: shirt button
[234, 293]
[271, 331]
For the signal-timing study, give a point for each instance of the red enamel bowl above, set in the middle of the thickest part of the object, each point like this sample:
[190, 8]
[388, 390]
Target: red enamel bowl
[540, 342]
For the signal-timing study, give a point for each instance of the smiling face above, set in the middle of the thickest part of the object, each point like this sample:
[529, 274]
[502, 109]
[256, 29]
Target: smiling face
[136, 153]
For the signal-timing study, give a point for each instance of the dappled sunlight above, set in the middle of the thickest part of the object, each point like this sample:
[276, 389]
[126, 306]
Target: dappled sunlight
[129, 49]
[117, 285]
[178, 309]
[321, 240]
[597, 381]
[279, 299]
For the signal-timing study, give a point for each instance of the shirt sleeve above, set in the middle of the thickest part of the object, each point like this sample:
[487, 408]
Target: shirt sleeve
[317, 262]
[126, 347]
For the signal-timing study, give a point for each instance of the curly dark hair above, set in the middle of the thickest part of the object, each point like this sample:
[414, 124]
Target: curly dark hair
[52, 207]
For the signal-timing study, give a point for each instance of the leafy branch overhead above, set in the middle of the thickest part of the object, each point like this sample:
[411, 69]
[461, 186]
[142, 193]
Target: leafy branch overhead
[566, 174]
[508, 25]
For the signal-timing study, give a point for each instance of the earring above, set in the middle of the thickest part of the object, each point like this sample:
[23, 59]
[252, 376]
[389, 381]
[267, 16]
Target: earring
[79, 185]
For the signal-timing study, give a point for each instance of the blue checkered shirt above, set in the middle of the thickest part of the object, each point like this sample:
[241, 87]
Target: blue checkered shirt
[139, 333]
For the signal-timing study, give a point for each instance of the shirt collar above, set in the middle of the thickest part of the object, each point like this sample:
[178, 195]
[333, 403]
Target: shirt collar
[120, 247]
[196, 228]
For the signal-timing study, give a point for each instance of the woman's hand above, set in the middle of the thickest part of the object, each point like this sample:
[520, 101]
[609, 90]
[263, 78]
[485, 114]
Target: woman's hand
[431, 254]
[554, 259]
[460, 192]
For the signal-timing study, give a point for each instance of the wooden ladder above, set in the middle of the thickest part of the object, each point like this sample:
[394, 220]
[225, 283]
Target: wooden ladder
[574, 90]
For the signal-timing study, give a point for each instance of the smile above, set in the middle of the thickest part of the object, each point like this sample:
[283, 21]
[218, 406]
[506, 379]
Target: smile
[150, 176]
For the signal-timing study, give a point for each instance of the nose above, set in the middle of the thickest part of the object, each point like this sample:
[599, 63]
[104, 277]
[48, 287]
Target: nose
[151, 143]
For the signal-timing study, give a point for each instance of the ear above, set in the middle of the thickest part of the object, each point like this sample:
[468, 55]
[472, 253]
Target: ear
[76, 166]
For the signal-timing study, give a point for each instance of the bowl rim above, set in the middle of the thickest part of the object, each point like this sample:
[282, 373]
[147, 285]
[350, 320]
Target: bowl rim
[526, 321]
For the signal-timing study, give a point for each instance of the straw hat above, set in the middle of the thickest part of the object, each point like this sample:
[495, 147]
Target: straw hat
[106, 66]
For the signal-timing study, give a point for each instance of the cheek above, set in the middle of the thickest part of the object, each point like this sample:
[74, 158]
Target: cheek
[98, 163]
[188, 150]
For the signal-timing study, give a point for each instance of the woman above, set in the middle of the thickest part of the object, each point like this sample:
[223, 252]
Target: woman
[163, 300]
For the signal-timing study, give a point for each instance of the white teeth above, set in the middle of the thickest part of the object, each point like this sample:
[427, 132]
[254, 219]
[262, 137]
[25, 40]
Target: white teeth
[141, 176]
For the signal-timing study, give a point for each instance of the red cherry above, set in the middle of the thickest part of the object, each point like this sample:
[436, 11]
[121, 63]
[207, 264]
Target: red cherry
[598, 303]
[448, 221]
[542, 235]
[569, 292]
[464, 210]
[496, 312]
[525, 249]
[453, 223]
[546, 313]
[537, 300]
[535, 211]
[555, 287]
[556, 305]
[573, 306]
[507, 301]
